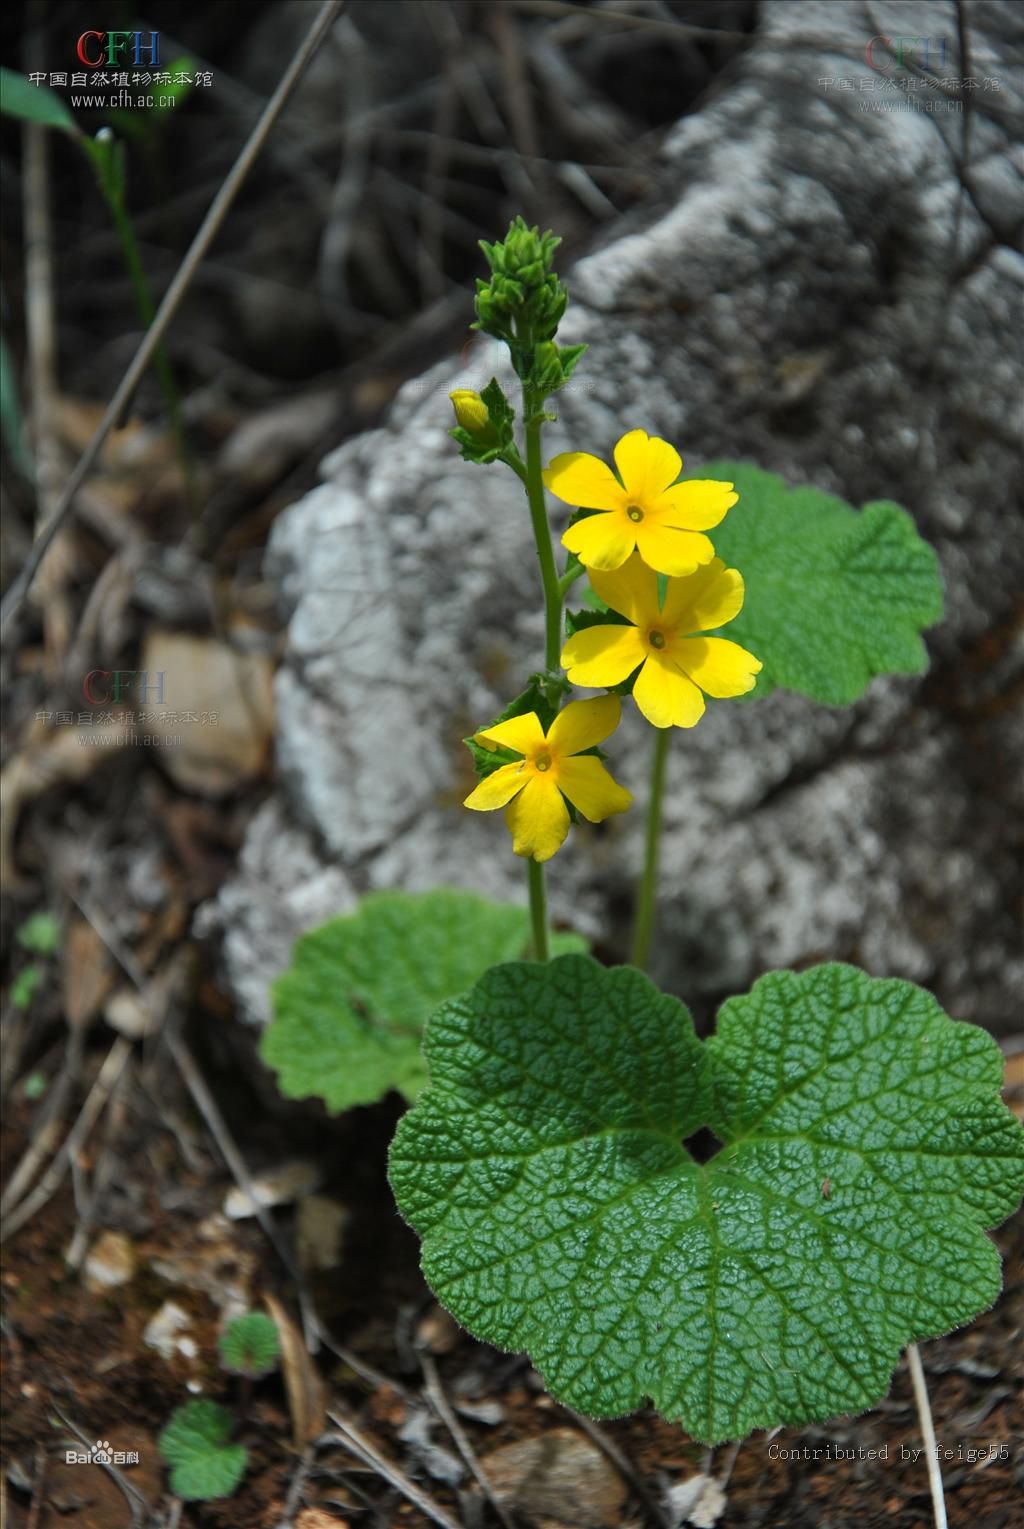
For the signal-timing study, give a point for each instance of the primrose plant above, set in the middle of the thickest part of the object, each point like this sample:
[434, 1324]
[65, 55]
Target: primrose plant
[864, 1150]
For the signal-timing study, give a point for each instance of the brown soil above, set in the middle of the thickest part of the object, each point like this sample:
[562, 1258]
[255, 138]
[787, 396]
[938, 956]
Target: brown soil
[72, 1354]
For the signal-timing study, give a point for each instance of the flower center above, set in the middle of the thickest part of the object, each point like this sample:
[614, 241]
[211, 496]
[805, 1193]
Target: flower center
[635, 512]
[656, 639]
[542, 761]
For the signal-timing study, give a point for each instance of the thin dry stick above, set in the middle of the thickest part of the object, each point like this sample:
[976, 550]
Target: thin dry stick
[172, 299]
[626, 19]
[94, 1104]
[46, 1133]
[207, 1107]
[38, 1491]
[361, 1447]
[41, 338]
[731, 1463]
[313, 1328]
[924, 1413]
[138, 1503]
[291, 1502]
[443, 1408]
[622, 1465]
[516, 84]
[431, 241]
[102, 1177]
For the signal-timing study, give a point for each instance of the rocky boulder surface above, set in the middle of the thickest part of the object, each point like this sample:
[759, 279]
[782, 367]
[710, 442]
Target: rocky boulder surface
[827, 286]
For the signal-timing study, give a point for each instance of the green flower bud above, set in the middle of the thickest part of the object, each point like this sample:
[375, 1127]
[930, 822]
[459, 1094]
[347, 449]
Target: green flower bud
[547, 367]
[524, 300]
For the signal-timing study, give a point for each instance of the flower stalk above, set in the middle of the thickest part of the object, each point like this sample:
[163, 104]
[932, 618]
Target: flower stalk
[553, 594]
[540, 944]
[647, 889]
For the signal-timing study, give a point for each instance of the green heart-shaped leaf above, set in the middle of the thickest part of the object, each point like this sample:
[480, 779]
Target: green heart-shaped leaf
[865, 1149]
[834, 596]
[349, 1011]
[195, 1446]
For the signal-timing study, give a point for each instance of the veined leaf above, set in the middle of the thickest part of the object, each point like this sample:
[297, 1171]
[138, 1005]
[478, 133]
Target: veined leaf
[864, 1151]
[195, 1446]
[834, 596]
[349, 1011]
[250, 1345]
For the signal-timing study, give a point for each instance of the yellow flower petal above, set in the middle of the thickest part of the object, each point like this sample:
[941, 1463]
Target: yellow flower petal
[601, 541]
[719, 666]
[697, 505]
[706, 599]
[583, 724]
[591, 789]
[498, 789]
[667, 697]
[632, 590]
[520, 733]
[669, 551]
[602, 655]
[538, 819]
[578, 478]
[647, 465]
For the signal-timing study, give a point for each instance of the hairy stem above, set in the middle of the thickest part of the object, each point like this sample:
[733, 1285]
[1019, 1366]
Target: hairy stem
[538, 911]
[542, 531]
[643, 926]
[553, 596]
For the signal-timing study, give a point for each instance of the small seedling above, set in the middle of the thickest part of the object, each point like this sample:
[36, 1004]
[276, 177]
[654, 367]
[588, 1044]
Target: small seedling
[24, 986]
[40, 933]
[195, 1443]
[249, 1346]
[195, 1446]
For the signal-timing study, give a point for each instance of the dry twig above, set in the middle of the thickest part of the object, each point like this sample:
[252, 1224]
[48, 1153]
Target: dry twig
[41, 339]
[46, 1132]
[138, 1504]
[443, 1408]
[622, 1464]
[924, 1413]
[91, 1110]
[359, 1445]
[207, 232]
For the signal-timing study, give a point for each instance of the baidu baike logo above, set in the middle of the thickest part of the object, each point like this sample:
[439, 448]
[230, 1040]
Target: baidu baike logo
[101, 1453]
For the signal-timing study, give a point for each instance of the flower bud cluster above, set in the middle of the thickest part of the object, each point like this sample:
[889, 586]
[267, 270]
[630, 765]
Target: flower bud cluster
[523, 302]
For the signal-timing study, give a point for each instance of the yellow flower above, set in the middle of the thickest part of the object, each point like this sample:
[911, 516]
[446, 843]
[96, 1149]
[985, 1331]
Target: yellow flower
[553, 767]
[470, 410]
[677, 665]
[643, 508]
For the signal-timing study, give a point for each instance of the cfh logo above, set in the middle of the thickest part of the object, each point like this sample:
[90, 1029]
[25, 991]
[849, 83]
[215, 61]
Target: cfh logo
[101, 50]
[101, 686]
[883, 52]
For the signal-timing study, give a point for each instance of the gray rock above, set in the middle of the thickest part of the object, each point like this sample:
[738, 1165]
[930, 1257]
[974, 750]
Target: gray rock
[818, 289]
